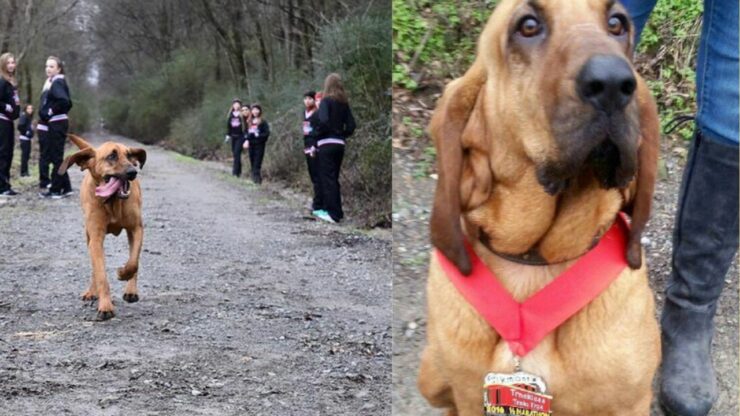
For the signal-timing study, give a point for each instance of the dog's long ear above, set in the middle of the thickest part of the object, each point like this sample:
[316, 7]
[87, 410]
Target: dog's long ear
[647, 159]
[446, 128]
[139, 154]
[78, 141]
[81, 158]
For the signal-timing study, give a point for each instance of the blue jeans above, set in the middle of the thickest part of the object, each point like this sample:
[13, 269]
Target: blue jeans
[717, 95]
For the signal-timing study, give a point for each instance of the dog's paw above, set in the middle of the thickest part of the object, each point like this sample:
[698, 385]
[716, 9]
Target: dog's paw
[104, 315]
[88, 296]
[130, 297]
[126, 272]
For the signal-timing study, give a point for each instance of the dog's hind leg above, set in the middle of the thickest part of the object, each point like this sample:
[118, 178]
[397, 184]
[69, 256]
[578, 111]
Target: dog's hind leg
[130, 270]
[100, 281]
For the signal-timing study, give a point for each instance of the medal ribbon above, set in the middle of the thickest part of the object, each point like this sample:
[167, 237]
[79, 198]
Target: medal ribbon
[524, 325]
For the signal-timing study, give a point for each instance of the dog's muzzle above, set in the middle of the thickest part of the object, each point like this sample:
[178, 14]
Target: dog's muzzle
[119, 186]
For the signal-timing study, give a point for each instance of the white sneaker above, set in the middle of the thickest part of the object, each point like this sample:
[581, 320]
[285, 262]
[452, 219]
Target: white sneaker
[323, 215]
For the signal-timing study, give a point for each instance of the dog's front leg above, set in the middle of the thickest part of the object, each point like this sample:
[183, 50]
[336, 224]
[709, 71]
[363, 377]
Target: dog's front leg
[91, 293]
[130, 270]
[100, 281]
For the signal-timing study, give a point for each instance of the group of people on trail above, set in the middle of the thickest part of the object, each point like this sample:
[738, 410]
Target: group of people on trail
[326, 124]
[51, 128]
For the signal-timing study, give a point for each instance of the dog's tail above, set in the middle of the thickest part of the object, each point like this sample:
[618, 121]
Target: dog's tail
[79, 141]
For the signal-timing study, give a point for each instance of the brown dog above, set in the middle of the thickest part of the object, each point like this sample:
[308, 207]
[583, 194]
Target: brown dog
[111, 201]
[544, 139]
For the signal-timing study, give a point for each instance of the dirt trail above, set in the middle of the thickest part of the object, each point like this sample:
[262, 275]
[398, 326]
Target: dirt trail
[413, 192]
[246, 307]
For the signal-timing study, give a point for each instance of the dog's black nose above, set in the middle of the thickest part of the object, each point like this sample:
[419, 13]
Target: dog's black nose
[606, 82]
[131, 173]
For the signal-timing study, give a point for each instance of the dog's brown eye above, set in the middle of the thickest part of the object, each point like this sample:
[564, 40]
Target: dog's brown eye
[112, 157]
[616, 25]
[529, 26]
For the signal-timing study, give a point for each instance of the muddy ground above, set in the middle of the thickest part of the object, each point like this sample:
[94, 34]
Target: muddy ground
[413, 189]
[246, 306]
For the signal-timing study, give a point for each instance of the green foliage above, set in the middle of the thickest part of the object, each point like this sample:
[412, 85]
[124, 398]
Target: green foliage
[200, 131]
[440, 35]
[668, 47]
[152, 101]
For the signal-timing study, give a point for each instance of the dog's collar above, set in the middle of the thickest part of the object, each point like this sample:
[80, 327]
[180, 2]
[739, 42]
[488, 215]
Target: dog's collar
[524, 325]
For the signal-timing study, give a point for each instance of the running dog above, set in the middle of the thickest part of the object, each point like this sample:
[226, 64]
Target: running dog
[111, 201]
[540, 144]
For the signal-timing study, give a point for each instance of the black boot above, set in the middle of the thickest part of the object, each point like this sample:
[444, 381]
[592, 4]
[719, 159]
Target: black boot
[705, 241]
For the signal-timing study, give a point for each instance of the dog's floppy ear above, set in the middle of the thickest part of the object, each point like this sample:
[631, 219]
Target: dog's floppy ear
[446, 128]
[647, 159]
[81, 158]
[139, 154]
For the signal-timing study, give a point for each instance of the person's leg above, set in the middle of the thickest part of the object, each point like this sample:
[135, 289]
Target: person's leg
[313, 172]
[639, 11]
[705, 238]
[25, 155]
[259, 154]
[56, 155]
[6, 153]
[43, 159]
[236, 151]
[330, 161]
[252, 153]
[63, 130]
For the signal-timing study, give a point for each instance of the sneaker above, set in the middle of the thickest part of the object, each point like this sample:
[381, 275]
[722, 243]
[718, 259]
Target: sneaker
[68, 192]
[323, 215]
[48, 186]
[52, 195]
[9, 192]
[318, 212]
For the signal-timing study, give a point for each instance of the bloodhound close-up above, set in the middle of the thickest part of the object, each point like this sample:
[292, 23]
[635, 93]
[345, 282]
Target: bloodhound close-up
[546, 138]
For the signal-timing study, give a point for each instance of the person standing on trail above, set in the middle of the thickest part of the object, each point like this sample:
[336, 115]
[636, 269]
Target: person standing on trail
[257, 134]
[55, 104]
[335, 125]
[235, 126]
[310, 119]
[25, 128]
[9, 111]
[705, 235]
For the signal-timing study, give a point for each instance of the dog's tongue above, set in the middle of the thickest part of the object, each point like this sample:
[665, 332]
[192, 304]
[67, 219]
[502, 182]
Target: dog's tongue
[109, 188]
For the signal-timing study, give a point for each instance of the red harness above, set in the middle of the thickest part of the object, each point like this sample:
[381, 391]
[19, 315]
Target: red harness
[524, 325]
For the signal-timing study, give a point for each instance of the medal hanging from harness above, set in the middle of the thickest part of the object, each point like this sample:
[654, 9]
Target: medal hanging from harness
[524, 325]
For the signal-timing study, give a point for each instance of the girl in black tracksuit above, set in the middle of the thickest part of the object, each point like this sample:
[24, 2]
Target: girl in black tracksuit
[9, 111]
[310, 119]
[257, 133]
[235, 126]
[335, 125]
[25, 128]
[55, 104]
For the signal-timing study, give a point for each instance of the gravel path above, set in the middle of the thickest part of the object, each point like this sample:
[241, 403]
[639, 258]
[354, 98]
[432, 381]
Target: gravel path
[413, 190]
[246, 306]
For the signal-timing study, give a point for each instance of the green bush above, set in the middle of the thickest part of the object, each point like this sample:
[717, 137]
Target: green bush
[441, 35]
[199, 132]
[667, 58]
[145, 111]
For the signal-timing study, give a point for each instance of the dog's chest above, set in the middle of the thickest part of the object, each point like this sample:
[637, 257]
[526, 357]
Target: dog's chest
[599, 359]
